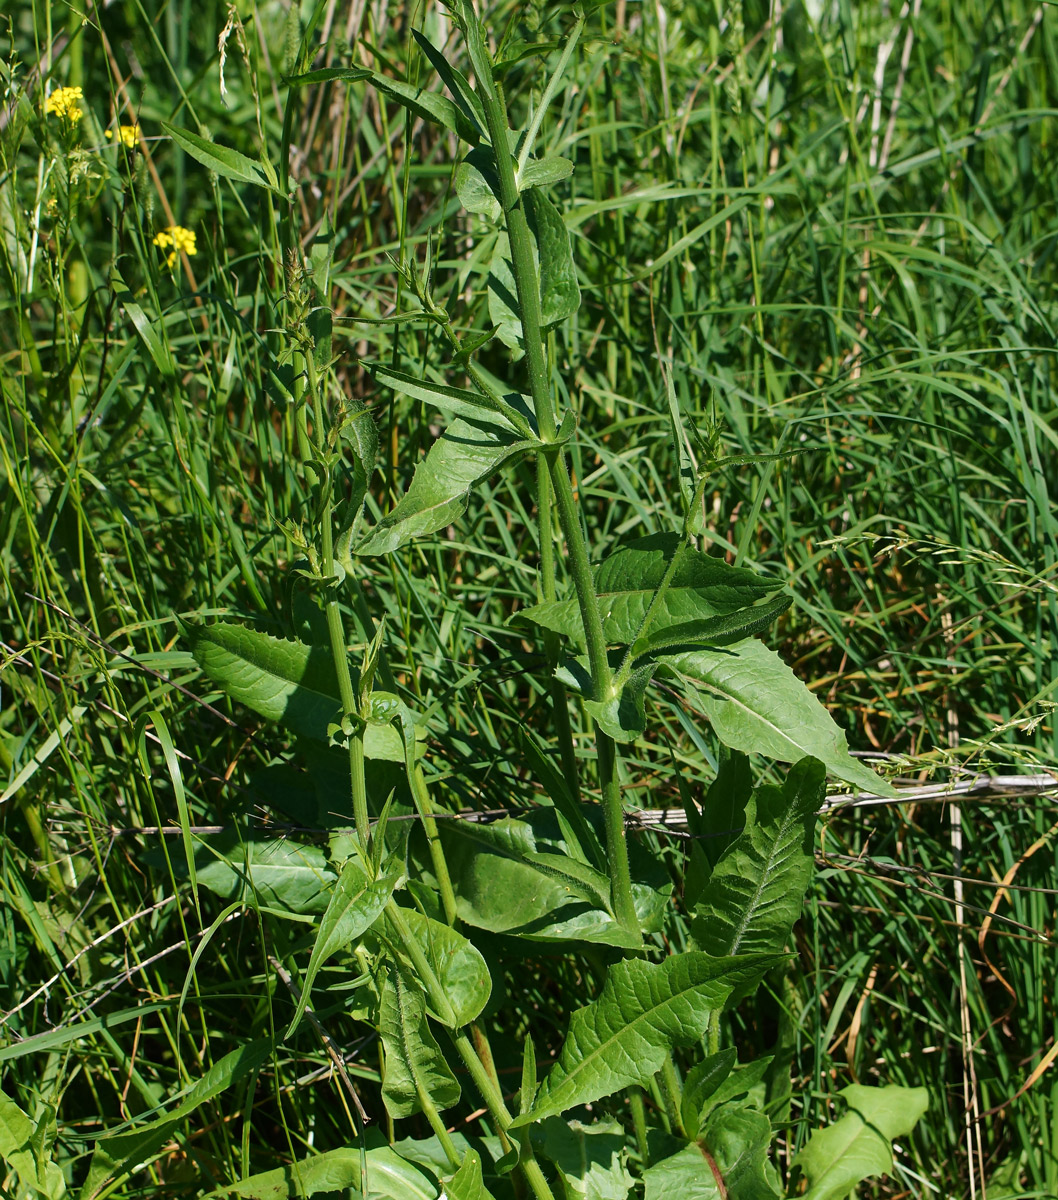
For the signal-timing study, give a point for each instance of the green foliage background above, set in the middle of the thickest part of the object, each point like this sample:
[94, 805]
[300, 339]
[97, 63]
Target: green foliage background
[822, 228]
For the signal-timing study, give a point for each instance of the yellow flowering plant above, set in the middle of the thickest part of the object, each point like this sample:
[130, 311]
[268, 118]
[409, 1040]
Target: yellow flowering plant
[175, 238]
[128, 135]
[65, 102]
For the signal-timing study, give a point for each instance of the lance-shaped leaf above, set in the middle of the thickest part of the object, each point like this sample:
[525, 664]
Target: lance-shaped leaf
[756, 704]
[355, 905]
[416, 1074]
[707, 601]
[430, 106]
[116, 1156]
[287, 682]
[755, 892]
[222, 160]
[476, 407]
[467, 1183]
[702, 1092]
[559, 291]
[860, 1143]
[643, 1011]
[729, 1162]
[457, 963]
[461, 457]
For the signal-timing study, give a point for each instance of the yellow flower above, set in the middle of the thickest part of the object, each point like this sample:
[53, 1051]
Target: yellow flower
[179, 239]
[128, 135]
[63, 102]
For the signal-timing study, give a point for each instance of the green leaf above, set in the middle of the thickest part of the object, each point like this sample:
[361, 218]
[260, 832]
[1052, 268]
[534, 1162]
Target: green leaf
[553, 255]
[475, 407]
[643, 1011]
[591, 1158]
[755, 892]
[860, 1143]
[702, 1082]
[498, 887]
[723, 815]
[461, 457]
[278, 873]
[120, 1154]
[415, 1069]
[355, 905]
[456, 82]
[220, 159]
[703, 1092]
[389, 1177]
[707, 601]
[756, 704]
[541, 172]
[624, 716]
[283, 681]
[25, 1146]
[467, 1183]
[729, 1162]
[458, 965]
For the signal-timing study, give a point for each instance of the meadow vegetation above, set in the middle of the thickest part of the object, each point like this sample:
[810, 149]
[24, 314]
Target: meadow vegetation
[362, 481]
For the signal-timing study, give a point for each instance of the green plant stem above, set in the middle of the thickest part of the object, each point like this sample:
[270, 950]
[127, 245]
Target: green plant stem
[477, 1070]
[336, 634]
[527, 285]
[559, 699]
[424, 807]
[671, 1091]
[639, 1123]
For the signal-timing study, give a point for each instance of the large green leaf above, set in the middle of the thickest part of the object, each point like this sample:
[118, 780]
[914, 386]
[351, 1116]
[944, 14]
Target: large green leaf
[25, 1146]
[728, 1162]
[277, 872]
[709, 1085]
[389, 1177]
[755, 892]
[118, 1155]
[355, 905]
[643, 1011]
[416, 1070]
[502, 886]
[553, 254]
[461, 457]
[707, 601]
[859, 1144]
[756, 704]
[457, 963]
[288, 682]
[591, 1158]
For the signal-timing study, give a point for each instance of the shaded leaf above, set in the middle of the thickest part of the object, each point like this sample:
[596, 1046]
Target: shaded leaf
[756, 704]
[355, 905]
[415, 1068]
[277, 873]
[729, 1162]
[859, 1144]
[592, 1158]
[703, 1092]
[624, 716]
[643, 1011]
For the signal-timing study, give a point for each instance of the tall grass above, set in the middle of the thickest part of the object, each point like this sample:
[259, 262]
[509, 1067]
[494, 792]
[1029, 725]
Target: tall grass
[826, 229]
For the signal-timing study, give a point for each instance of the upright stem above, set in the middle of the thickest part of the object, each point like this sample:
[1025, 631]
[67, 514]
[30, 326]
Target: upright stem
[527, 284]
